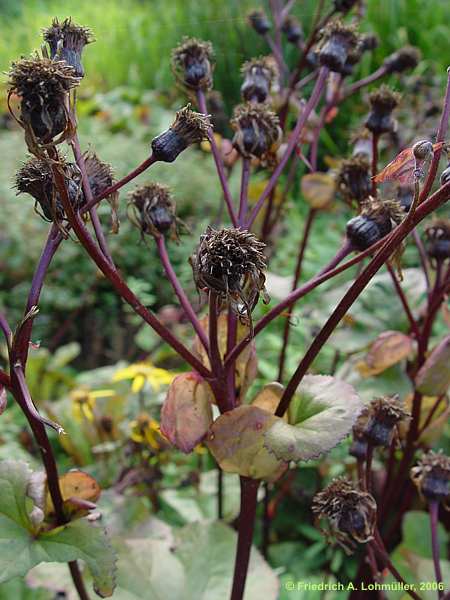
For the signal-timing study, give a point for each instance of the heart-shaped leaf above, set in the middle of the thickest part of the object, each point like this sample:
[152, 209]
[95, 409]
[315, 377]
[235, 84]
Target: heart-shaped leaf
[187, 413]
[321, 414]
[433, 379]
[236, 440]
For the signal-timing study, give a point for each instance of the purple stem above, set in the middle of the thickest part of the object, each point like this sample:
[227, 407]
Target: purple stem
[423, 257]
[293, 141]
[243, 198]
[433, 507]
[404, 301]
[184, 301]
[79, 158]
[354, 87]
[218, 161]
[4, 326]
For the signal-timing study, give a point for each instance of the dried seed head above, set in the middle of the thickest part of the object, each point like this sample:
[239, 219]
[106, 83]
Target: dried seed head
[374, 222]
[257, 130]
[438, 240]
[42, 85]
[258, 20]
[259, 75]
[292, 29]
[344, 6]
[384, 414]
[231, 263]
[35, 177]
[337, 41]
[402, 60]
[188, 128]
[369, 42]
[100, 174]
[432, 477]
[66, 41]
[353, 179]
[382, 103]
[362, 144]
[152, 210]
[350, 512]
[192, 64]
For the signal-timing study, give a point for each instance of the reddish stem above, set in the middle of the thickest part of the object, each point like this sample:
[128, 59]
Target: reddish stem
[375, 138]
[404, 301]
[243, 197]
[433, 507]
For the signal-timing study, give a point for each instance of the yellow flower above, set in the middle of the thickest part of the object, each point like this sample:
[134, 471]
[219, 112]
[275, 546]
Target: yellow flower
[142, 373]
[84, 400]
[145, 430]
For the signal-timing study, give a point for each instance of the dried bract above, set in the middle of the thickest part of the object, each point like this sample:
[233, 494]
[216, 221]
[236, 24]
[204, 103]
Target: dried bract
[66, 41]
[192, 64]
[188, 128]
[350, 512]
[231, 263]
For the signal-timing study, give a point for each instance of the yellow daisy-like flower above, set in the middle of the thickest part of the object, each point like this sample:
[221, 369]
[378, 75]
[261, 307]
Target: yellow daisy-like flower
[145, 430]
[142, 373]
[84, 400]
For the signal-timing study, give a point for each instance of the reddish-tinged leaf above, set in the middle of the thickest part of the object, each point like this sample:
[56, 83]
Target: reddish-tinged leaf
[3, 399]
[389, 348]
[186, 413]
[79, 490]
[401, 169]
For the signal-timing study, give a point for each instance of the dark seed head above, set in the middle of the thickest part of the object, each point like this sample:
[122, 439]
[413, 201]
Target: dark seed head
[66, 42]
[384, 414]
[152, 209]
[231, 263]
[192, 63]
[374, 222]
[35, 177]
[432, 476]
[369, 42]
[42, 85]
[402, 60]
[258, 20]
[292, 29]
[353, 179]
[438, 240]
[350, 512]
[188, 128]
[259, 75]
[257, 132]
[382, 103]
[337, 41]
[445, 175]
[344, 6]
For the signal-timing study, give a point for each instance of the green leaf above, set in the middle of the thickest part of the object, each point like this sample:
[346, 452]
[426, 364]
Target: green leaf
[417, 534]
[22, 546]
[321, 414]
[18, 590]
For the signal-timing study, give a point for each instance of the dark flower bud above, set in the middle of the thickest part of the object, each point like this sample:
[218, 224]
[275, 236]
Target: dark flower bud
[188, 128]
[259, 74]
[337, 41]
[374, 222]
[384, 414]
[353, 179]
[231, 263]
[344, 6]
[257, 132]
[438, 240]
[152, 210]
[351, 513]
[432, 477]
[402, 60]
[259, 21]
[368, 42]
[292, 29]
[405, 195]
[35, 177]
[42, 85]
[382, 103]
[66, 42]
[192, 64]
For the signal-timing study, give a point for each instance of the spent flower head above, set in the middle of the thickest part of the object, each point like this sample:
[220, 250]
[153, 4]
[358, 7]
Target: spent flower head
[66, 41]
[292, 28]
[402, 60]
[374, 222]
[338, 40]
[188, 128]
[350, 512]
[152, 210]
[257, 130]
[259, 74]
[258, 20]
[432, 477]
[382, 102]
[192, 64]
[384, 414]
[438, 240]
[353, 179]
[231, 263]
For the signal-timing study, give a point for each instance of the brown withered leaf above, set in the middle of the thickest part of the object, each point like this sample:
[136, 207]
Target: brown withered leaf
[187, 413]
[79, 491]
[236, 440]
[269, 397]
[401, 169]
[246, 363]
[318, 189]
[389, 348]
[433, 379]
